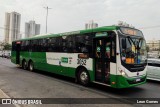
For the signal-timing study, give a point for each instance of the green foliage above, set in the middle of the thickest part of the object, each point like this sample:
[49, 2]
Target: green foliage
[7, 47]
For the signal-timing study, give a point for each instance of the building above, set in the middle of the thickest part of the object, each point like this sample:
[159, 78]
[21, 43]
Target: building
[154, 45]
[91, 25]
[31, 29]
[12, 27]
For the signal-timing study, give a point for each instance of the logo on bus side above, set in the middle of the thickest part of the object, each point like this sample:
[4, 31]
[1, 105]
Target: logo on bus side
[64, 60]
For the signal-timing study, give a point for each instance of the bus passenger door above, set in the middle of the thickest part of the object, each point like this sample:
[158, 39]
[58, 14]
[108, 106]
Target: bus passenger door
[18, 46]
[102, 59]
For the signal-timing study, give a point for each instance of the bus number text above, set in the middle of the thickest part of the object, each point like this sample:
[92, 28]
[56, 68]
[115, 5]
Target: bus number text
[81, 61]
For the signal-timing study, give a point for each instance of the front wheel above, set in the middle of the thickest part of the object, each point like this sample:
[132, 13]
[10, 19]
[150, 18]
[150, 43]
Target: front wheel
[31, 66]
[83, 77]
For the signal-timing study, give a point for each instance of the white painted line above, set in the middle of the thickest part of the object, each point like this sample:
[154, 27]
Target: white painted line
[4, 95]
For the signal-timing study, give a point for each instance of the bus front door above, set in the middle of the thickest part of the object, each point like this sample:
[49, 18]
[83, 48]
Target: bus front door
[18, 53]
[102, 60]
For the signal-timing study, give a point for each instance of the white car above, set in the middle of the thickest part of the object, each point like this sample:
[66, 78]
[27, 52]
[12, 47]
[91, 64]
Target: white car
[153, 69]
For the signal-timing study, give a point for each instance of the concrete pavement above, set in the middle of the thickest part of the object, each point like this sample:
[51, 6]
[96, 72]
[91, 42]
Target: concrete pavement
[3, 95]
[19, 83]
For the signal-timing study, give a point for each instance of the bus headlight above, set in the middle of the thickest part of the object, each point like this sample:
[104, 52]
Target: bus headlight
[122, 72]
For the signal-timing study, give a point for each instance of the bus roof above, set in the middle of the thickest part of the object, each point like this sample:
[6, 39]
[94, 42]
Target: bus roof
[104, 28]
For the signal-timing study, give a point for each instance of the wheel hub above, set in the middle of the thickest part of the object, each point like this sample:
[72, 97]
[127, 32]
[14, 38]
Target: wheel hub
[31, 67]
[83, 76]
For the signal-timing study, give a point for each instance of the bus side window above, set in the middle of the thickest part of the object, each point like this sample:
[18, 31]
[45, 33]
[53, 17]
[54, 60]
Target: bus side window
[27, 46]
[51, 44]
[42, 45]
[83, 43]
[88, 43]
[79, 43]
[70, 44]
[39, 45]
[13, 46]
[64, 46]
[74, 50]
[22, 45]
[34, 45]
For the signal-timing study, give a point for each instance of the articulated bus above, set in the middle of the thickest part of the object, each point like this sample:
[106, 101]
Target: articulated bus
[114, 56]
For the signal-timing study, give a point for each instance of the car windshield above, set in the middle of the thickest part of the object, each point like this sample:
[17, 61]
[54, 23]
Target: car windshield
[133, 50]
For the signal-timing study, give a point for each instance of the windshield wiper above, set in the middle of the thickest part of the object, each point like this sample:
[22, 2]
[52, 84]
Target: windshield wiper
[136, 43]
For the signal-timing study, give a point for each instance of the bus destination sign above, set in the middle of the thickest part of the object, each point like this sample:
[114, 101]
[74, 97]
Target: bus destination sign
[129, 31]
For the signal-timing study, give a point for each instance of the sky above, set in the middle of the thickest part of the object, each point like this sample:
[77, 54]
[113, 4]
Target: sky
[71, 15]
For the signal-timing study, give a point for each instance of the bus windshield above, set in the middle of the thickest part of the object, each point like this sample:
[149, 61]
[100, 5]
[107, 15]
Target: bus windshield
[133, 50]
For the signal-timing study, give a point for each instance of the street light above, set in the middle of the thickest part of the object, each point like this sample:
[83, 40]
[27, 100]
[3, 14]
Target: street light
[47, 16]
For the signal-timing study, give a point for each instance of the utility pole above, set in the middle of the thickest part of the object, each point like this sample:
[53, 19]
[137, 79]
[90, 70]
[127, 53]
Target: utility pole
[47, 16]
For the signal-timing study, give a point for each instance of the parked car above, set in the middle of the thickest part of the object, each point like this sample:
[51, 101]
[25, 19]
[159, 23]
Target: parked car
[153, 55]
[1, 54]
[6, 54]
[153, 69]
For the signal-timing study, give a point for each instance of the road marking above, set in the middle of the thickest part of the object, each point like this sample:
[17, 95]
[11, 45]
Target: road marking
[4, 95]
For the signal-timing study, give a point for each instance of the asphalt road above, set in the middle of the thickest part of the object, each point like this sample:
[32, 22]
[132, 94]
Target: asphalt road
[19, 83]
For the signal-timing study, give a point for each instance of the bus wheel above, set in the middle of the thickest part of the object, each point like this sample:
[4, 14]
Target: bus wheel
[24, 65]
[83, 77]
[31, 66]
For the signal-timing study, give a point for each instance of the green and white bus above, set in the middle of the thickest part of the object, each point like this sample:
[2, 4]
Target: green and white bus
[114, 56]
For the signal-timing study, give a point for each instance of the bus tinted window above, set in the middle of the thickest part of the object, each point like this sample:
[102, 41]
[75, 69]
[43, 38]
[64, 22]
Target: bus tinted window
[70, 43]
[52, 45]
[43, 45]
[64, 45]
[83, 43]
[34, 45]
[23, 46]
[13, 46]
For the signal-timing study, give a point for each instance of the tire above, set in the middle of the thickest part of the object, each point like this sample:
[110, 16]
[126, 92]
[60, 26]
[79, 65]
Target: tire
[83, 77]
[24, 65]
[31, 66]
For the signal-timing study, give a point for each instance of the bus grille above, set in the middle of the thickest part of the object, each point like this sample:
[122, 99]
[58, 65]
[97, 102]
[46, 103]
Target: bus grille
[135, 82]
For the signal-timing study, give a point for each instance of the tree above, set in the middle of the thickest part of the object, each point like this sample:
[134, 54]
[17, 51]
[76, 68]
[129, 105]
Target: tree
[7, 47]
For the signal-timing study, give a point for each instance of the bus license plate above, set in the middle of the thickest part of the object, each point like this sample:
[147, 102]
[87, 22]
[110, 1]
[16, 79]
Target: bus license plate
[137, 80]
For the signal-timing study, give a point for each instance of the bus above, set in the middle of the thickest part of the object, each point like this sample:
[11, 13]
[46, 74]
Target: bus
[114, 56]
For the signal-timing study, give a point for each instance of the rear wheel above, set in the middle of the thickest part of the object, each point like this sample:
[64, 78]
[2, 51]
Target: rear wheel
[31, 66]
[24, 65]
[83, 77]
